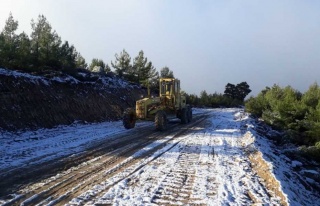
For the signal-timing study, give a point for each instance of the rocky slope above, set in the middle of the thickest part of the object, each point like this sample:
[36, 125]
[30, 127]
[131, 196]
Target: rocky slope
[54, 98]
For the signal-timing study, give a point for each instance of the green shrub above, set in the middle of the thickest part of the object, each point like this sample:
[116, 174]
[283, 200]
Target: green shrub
[312, 152]
[298, 114]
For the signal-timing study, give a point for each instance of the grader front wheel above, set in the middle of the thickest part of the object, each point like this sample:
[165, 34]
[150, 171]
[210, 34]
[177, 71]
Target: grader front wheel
[160, 120]
[129, 118]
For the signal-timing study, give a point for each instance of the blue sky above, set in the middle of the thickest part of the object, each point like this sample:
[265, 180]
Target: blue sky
[206, 43]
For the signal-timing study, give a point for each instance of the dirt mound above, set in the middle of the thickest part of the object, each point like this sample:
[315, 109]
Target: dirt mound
[33, 101]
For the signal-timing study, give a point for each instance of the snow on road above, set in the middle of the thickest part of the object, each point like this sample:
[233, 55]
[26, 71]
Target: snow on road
[218, 163]
[34, 147]
[207, 167]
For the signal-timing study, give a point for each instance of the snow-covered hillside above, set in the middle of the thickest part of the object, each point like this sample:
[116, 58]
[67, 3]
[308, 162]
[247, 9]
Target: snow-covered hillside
[52, 98]
[88, 77]
[221, 161]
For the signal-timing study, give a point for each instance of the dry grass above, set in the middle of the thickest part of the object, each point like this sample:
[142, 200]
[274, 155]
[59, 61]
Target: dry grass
[263, 170]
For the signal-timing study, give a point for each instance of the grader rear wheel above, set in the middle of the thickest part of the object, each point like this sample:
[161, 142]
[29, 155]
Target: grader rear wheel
[160, 120]
[129, 118]
[189, 114]
[184, 116]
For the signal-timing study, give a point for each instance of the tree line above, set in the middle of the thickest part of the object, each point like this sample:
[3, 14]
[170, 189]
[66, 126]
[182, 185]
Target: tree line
[44, 50]
[290, 110]
[233, 96]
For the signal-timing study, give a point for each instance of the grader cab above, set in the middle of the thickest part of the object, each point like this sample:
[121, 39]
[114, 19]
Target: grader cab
[169, 104]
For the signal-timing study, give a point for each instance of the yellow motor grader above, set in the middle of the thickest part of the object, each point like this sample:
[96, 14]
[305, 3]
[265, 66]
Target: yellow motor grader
[169, 104]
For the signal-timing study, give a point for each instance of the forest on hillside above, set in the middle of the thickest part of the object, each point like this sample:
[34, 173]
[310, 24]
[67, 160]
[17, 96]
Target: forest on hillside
[44, 50]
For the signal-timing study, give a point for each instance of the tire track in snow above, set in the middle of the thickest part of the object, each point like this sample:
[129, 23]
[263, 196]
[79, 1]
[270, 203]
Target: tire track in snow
[74, 179]
[204, 183]
[123, 189]
[152, 174]
[168, 179]
[77, 178]
[177, 187]
[104, 193]
[191, 165]
[29, 172]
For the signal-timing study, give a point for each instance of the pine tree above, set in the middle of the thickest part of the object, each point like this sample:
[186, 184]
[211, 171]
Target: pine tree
[139, 65]
[45, 45]
[257, 105]
[204, 98]
[80, 61]
[165, 72]
[149, 74]
[67, 56]
[311, 97]
[154, 83]
[2, 51]
[9, 46]
[242, 90]
[10, 28]
[24, 55]
[122, 64]
[144, 70]
[239, 92]
[107, 68]
[230, 90]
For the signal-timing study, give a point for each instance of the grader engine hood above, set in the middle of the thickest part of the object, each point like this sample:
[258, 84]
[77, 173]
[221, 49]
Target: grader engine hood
[144, 106]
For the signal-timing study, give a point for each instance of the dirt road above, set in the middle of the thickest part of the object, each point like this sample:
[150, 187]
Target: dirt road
[211, 161]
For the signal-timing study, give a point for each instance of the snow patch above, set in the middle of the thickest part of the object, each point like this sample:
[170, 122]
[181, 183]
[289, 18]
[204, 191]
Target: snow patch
[296, 163]
[32, 78]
